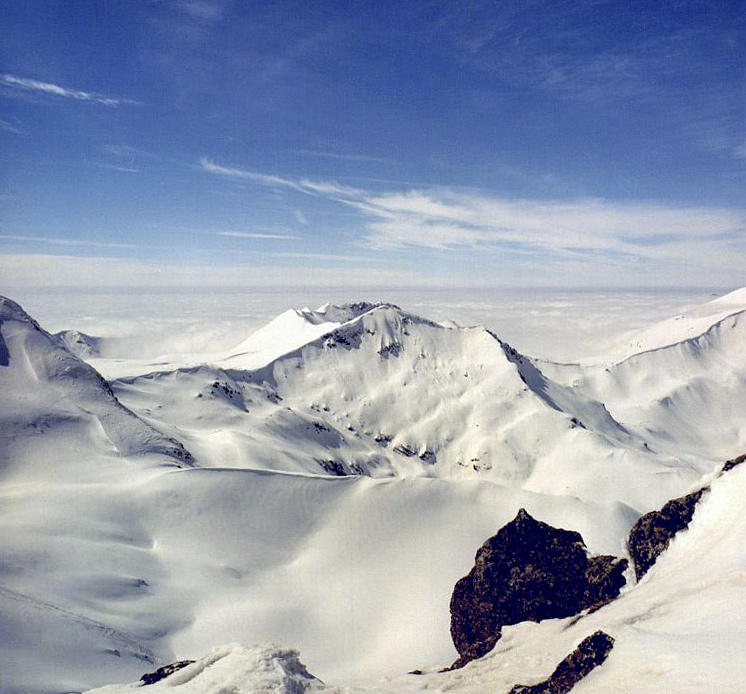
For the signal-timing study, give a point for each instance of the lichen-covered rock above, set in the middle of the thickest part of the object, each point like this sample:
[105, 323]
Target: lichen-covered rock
[651, 534]
[162, 672]
[590, 653]
[529, 571]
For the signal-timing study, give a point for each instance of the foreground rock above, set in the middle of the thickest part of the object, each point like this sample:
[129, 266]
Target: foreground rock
[652, 533]
[529, 571]
[589, 654]
[162, 672]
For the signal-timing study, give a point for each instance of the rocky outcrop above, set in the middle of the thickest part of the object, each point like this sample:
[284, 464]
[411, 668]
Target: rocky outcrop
[589, 654]
[529, 571]
[162, 672]
[651, 534]
[729, 465]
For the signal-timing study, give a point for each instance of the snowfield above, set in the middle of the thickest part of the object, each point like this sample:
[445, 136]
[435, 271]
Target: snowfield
[323, 485]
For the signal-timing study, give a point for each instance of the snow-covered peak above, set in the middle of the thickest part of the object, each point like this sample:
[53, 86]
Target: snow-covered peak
[688, 325]
[341, 313]
[11, 311]
[45, 383]
[236, 669]
[737, 297]
[292, 330]
[81, 345]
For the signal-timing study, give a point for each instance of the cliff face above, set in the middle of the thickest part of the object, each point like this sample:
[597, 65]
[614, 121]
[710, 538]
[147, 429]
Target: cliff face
[529, 571]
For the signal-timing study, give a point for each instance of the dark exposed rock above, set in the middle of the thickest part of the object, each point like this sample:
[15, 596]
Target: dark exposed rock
[333, 467]
[651, 534]
[590, 653]
[734, 463]
[403, 449]
[162, 672]
[529, 571]
[604, 579]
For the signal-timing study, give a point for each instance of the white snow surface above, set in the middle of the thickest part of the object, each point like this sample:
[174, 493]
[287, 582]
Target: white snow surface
[347, 464]
[239, 670]
[685, 326]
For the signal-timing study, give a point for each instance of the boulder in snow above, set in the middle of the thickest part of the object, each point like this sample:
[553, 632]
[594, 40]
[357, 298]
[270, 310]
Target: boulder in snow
[529, 571]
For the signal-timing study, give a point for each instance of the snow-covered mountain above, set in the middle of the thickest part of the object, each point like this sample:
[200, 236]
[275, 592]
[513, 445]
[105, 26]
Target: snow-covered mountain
[386, 393]
[344, 465]
[683, 393]
[80, 344]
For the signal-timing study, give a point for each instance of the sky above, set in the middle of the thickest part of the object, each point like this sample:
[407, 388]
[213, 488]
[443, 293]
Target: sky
[432, 144]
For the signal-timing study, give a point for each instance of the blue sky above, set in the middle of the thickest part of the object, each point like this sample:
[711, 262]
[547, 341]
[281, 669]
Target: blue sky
[426, 143]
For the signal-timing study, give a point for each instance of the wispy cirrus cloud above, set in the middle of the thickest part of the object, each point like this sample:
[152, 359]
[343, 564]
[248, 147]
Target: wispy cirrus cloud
[325, 188]
[202, 9]
[339, 156]
[445, 218]
[68, 241]
[27, 84]
[587, 230]
[9, 127]
[117, 167]
[255, 235]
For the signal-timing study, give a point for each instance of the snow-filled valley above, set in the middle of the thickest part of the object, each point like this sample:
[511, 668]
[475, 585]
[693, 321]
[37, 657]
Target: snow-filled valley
[323, 484]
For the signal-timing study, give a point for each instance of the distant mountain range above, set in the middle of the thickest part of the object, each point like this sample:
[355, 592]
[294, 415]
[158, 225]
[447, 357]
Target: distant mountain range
[326, 482]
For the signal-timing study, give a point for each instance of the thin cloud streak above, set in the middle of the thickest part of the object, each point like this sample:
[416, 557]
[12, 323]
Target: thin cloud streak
[10, 127]
[302, 255]
[55, 90]
[70, 242]
[115, 167]
[346, 157]
[255, 235]
[324, 188]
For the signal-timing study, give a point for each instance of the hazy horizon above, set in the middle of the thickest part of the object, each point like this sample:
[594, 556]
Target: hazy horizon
[556, 323]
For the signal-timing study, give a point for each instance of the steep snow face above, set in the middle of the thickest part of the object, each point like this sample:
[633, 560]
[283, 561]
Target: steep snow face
[64, 435]
[684, 399]
[688, 395]
[456, 402]
[43, 385]
[288, 332]
[685, 326]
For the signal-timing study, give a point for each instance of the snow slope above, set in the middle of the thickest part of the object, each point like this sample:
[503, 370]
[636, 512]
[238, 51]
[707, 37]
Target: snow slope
[683, 398]
[348, 462]
[680, 629]
[46, 388]
[686, 326]
[389, 393]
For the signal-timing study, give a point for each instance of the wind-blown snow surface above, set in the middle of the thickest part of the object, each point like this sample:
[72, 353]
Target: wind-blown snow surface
[347, 463]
